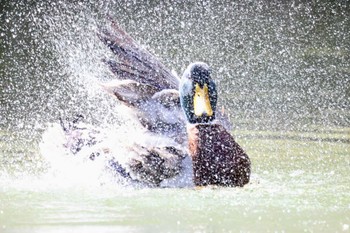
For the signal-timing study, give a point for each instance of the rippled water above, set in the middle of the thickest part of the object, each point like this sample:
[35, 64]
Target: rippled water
[297, 185]
[283, 75]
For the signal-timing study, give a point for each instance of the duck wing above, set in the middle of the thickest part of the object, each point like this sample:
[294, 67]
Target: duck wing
[150, 91]
[134, 62]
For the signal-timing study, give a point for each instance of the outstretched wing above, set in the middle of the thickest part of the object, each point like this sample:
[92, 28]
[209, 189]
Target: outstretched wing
[151, 91]
[134, 62]
[143, 83]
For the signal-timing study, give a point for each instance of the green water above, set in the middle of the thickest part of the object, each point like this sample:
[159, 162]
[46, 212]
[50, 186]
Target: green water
[300, 183]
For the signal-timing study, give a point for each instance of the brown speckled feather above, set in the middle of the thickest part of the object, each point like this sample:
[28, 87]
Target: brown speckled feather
[217, 158]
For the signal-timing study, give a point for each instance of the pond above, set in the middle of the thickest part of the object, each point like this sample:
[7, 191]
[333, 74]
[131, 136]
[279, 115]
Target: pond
[283, 77]
[297, 185]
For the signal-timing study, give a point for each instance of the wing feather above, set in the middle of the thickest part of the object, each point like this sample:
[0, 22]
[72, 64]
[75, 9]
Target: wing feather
[134, 62]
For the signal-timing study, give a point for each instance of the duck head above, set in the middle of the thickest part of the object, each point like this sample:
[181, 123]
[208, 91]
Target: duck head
[198, 94]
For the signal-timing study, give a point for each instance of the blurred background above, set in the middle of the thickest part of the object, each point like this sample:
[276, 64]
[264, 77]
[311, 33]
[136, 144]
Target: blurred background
[277, 65]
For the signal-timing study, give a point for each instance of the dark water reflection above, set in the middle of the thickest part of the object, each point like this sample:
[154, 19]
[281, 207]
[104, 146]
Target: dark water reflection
[278, 65]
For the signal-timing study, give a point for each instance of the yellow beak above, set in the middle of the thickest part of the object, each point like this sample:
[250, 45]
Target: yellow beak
[201, 102]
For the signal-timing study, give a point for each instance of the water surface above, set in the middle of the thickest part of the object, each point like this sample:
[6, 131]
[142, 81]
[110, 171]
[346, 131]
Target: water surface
[296, 186]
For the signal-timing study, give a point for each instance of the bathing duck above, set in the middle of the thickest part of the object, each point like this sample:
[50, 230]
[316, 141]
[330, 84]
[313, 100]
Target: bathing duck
[217, 158]
[176, 128]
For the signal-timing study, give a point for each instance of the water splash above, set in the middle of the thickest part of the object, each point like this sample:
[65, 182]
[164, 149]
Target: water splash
[277, 65]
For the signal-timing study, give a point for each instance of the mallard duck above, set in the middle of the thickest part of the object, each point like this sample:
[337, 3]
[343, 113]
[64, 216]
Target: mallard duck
[217, 158]
[176, 133]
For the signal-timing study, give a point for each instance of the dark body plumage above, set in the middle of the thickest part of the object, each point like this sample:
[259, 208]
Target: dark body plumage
[217, 158]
